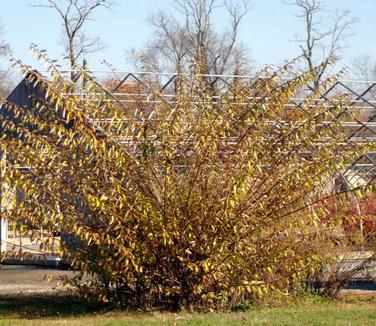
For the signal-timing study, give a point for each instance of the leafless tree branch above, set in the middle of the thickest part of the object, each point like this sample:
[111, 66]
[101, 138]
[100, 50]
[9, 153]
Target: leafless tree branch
[325, 34]
[74, 14]
[180, 43]
[6, 82]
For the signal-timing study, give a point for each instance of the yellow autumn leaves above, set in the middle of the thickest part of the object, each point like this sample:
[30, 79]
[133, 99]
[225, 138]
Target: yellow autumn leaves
[203, 199]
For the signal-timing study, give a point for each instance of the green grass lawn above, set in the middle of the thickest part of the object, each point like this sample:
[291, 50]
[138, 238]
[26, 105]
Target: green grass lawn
[61, 310]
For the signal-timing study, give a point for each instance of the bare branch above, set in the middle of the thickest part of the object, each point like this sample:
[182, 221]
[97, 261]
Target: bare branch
[74, 14]
[325, 34]
[188, 37]
[6, 82]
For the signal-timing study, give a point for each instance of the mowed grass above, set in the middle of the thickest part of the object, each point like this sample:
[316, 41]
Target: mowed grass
[62, 310]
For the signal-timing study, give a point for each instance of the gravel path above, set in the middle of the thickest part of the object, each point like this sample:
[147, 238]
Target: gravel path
[28, 279]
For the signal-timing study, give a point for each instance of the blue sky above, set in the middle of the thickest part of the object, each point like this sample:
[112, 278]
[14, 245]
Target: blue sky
[267, 30]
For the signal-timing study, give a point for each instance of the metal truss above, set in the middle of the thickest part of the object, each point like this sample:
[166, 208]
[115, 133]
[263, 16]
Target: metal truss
[140, 87]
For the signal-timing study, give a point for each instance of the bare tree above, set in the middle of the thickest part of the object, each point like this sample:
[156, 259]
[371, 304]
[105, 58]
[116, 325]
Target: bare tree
[5, 80]
[325, 36]
[4, 46]
[363, 67]
[74, 14]
[187, 39]
[6, 83]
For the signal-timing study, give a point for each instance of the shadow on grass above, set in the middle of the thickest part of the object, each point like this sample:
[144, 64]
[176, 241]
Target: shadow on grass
[32, 306]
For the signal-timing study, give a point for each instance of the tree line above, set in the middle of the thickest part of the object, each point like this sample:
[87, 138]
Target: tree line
[187, 33]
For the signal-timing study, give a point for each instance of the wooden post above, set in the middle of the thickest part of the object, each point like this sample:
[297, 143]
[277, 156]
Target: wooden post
[359, 213]
[3, 222]
[84, 77]
[3, 235]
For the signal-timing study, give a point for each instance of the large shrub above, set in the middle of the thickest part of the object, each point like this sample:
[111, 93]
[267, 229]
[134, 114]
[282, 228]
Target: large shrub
[194, 199]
